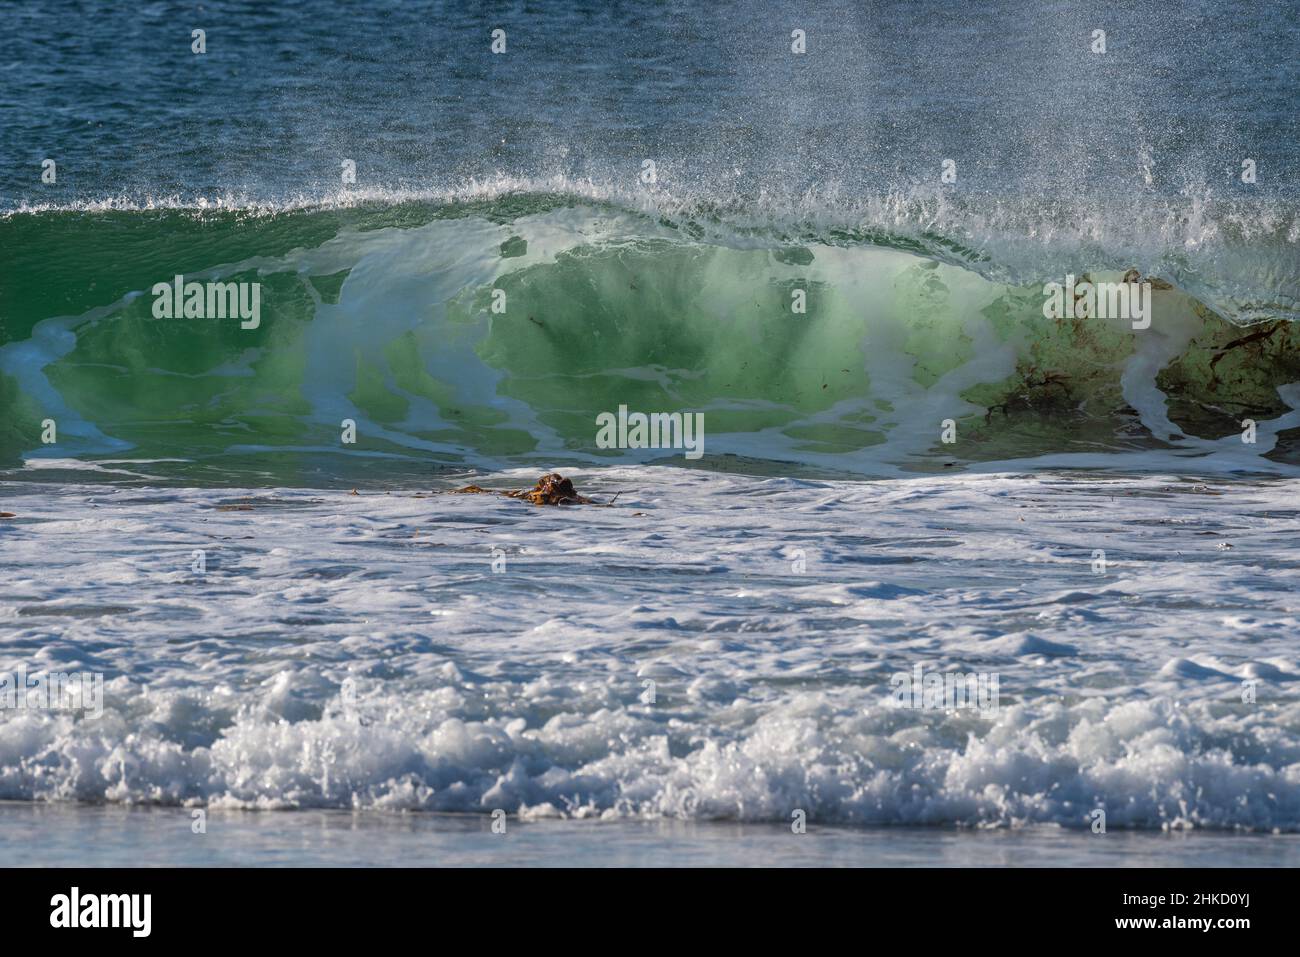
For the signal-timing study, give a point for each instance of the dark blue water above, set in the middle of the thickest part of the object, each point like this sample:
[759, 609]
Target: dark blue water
[413, 94]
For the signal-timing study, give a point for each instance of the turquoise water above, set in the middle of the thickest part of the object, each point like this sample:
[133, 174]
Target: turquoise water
[495, 332]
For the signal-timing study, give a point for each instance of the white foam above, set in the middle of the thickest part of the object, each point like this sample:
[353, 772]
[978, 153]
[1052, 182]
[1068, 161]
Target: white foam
[524, 690]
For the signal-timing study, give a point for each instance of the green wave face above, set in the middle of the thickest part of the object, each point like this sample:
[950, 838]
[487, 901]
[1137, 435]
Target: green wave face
[496, 333]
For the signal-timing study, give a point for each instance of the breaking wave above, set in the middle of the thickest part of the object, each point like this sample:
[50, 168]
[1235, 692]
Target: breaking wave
[378, 307]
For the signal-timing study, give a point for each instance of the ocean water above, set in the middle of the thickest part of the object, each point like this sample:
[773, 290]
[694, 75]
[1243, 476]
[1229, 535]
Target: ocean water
[465, 258]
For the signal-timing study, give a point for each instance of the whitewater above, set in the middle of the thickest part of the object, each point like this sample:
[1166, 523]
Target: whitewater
[769, 636]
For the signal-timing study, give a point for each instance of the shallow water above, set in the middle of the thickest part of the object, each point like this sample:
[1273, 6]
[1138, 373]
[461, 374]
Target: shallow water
[99, 836]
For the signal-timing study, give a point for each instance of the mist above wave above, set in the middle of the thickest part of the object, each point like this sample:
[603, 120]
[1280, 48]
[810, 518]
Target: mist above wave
[1237, 253]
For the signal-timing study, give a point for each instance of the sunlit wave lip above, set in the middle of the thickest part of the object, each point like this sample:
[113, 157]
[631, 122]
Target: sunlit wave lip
[1237, 254]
